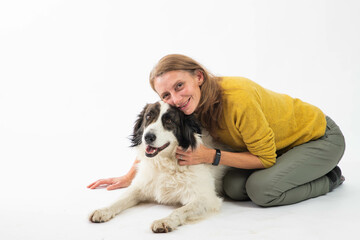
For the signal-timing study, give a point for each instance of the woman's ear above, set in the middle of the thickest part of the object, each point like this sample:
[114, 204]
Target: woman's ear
[199, 76]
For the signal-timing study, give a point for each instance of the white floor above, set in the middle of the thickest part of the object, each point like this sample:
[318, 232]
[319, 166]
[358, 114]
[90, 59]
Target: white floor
[44, 196]
[73, 77]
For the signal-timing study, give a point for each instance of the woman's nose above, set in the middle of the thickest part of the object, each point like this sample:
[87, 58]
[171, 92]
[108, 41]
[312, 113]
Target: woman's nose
[176, 98]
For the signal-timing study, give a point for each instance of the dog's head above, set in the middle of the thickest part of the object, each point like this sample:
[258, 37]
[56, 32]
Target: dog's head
[161, 127]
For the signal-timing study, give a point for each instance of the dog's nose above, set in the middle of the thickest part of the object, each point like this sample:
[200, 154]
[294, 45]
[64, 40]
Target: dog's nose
[150, 138]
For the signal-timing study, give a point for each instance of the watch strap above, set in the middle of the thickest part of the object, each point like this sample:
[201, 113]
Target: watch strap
[217, 157]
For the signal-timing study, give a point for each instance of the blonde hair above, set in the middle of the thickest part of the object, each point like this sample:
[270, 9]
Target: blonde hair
[209, 109]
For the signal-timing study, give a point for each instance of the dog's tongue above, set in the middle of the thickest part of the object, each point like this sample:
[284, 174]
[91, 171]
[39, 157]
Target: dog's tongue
[150, 150]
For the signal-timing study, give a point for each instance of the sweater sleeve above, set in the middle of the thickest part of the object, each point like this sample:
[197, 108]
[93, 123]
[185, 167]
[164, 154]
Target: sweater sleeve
[253, 126]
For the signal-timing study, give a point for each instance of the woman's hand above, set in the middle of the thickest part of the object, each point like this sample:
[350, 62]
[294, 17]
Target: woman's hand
[117, 182]
[112, 183]
[199, 155]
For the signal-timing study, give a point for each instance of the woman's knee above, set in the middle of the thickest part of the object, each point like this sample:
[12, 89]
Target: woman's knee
[234, 184]
[259, 191]
[335, 136]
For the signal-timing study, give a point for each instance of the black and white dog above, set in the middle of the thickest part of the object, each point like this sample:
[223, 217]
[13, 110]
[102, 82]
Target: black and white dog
[158, 131]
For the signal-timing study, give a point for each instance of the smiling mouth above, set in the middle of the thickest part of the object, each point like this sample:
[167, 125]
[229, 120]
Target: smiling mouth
[152, 151]
[184, 105]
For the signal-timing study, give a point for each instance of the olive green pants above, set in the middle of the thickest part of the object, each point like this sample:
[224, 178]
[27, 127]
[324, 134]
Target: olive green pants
[298, 174]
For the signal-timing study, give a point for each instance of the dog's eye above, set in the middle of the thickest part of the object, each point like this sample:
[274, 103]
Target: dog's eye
[167, 119]
[148, 116]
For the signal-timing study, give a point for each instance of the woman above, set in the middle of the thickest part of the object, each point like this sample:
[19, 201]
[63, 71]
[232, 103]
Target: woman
[285, 150]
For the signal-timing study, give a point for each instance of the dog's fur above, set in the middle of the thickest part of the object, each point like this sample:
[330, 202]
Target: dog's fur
[158, 131]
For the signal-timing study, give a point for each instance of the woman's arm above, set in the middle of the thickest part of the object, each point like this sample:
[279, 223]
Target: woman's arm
[202, 154]
[244, 160]
[117, 182]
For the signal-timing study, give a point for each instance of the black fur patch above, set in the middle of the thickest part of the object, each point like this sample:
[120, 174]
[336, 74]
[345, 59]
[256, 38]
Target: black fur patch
[149, 114]
[183, 126]
[138, 129]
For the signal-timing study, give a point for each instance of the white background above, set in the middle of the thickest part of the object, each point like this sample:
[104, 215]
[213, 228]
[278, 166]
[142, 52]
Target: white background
[74, 76]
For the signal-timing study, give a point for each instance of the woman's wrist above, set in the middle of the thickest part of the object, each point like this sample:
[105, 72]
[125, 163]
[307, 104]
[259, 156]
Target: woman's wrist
[132, 172]
[211, 155]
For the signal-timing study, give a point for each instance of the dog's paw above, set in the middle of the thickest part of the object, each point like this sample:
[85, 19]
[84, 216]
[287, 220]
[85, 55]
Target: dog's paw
[101, 215]
[162, 226]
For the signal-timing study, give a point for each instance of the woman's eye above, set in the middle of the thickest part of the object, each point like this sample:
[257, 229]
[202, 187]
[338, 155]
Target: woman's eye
[179, 85]
[165, 96]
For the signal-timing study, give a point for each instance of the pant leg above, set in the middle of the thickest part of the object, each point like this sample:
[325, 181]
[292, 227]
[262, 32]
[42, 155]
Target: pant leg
[234, 183]
[299, 173]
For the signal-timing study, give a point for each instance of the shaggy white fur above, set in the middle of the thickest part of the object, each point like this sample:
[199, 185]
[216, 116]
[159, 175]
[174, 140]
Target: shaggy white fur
[160, 179]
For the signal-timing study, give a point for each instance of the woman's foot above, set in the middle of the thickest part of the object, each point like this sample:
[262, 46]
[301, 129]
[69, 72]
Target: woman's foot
[335, 178]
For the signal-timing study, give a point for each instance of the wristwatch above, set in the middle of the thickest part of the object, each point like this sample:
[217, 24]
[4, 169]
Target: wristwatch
[217, 157]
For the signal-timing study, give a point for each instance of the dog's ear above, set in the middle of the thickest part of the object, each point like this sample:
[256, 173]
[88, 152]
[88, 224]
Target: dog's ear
[193, 123]
[138, 129]
[190, 126]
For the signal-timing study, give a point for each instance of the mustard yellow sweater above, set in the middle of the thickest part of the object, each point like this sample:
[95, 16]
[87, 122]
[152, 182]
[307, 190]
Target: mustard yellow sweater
[262, 122]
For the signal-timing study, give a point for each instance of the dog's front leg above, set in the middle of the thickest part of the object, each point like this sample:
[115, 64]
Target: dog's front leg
[192, 211]
[130, 198]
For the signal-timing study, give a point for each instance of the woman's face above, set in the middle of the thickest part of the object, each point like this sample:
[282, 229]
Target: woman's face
[180, 89]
